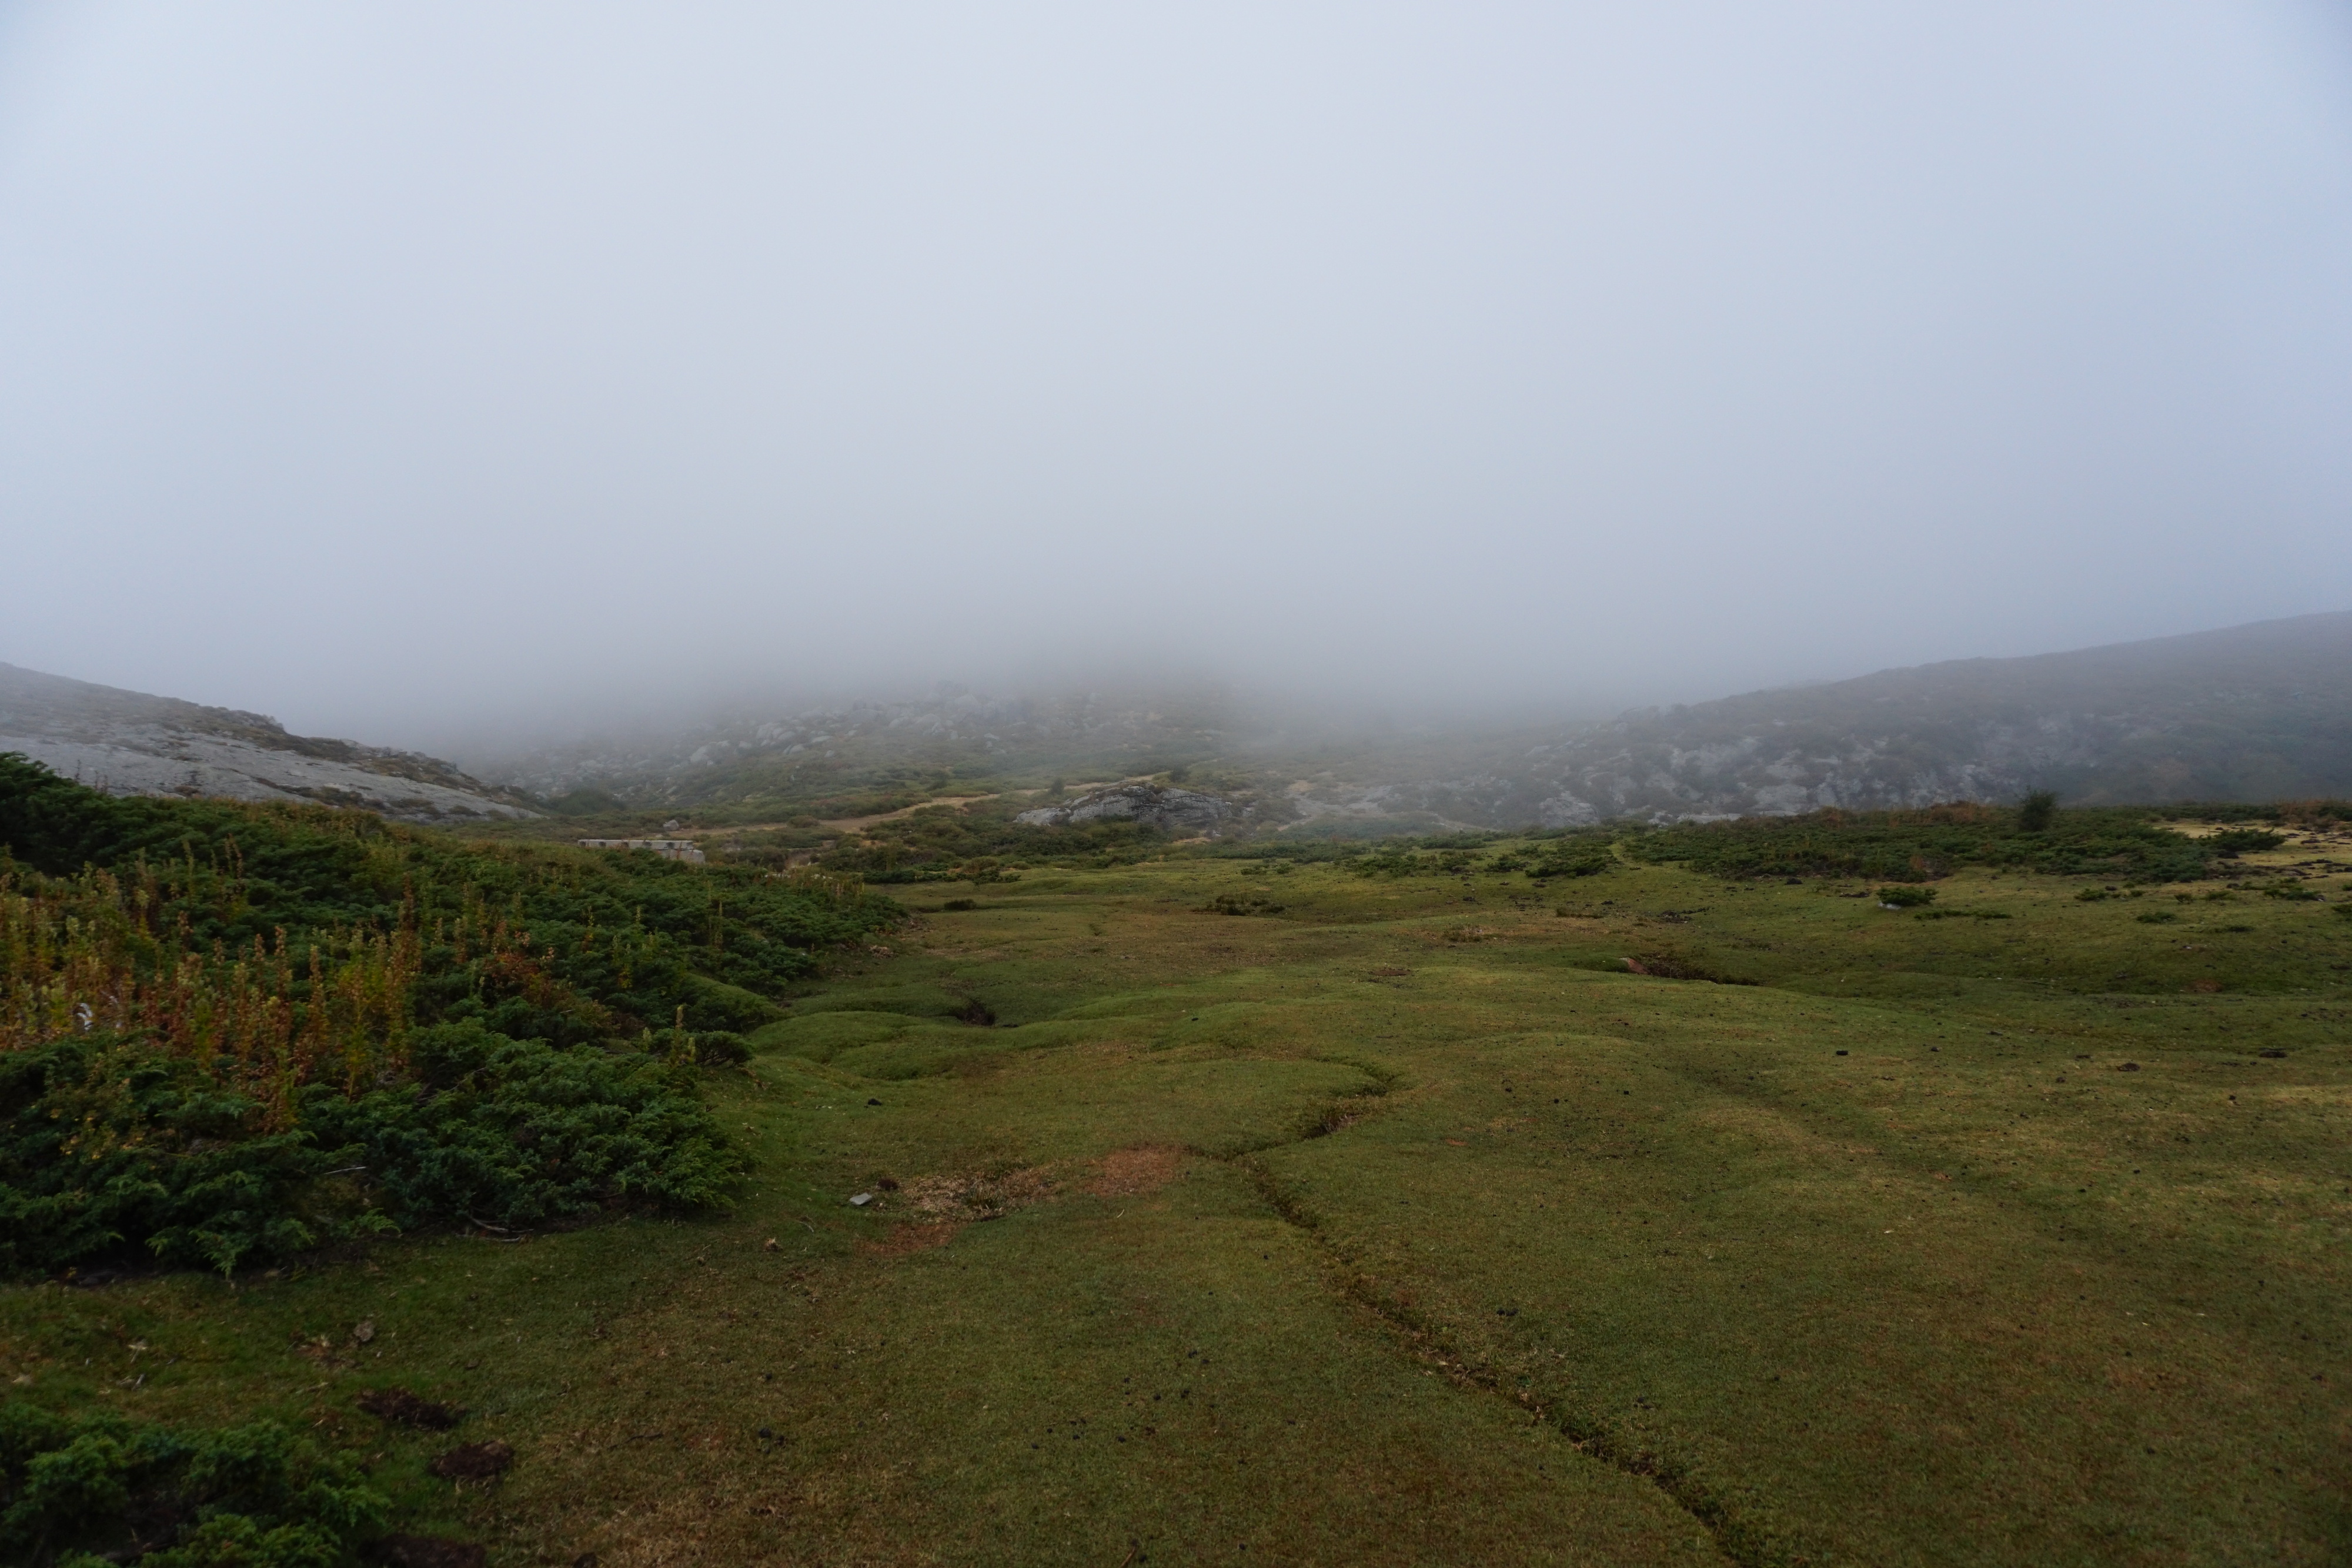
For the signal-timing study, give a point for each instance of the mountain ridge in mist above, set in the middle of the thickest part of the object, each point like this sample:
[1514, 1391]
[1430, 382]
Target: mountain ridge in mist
[2254, 712]
[130, 743]
[2262, 711]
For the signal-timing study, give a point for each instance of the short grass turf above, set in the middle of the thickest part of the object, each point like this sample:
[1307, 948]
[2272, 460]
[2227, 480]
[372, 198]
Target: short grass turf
[1407, 1226]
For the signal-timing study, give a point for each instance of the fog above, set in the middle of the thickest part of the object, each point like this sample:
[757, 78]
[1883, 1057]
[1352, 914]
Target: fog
[413, 371]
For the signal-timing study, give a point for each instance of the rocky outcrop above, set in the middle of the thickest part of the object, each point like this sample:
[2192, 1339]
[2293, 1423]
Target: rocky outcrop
[2259, 712]
[2251, 713]
[129, 743]
[1182, 813]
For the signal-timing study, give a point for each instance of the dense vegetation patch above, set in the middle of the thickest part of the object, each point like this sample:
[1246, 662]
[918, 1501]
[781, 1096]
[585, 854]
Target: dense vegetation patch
[105, 1490]
[981, 842]
[2124, 842]
[2293, 813]
[230, 1033]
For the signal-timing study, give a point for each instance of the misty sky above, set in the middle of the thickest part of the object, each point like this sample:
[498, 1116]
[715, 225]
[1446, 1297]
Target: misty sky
[402, 368]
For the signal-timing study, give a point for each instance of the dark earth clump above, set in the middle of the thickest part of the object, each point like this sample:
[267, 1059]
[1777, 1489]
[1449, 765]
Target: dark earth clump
[474, 1462]
[402, 1409]
[425, 1552]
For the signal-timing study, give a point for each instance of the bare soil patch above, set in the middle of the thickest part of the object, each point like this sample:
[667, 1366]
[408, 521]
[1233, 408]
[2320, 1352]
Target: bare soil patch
[1134, 1173]
[957, 1199]
[906, 1239]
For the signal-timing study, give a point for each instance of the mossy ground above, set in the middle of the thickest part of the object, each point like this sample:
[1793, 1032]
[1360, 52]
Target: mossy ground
[1406, 1226]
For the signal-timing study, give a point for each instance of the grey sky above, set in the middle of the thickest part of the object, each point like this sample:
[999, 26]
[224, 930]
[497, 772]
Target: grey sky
[396, 369]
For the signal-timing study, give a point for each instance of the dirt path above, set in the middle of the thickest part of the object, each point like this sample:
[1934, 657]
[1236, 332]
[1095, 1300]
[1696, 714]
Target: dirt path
[852, 824]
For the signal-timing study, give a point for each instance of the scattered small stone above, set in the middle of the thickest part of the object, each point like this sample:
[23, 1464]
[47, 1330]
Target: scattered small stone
[2128, 1067]
[874, 1102]
[474, 1462]
[364, 1332]
[859, 1200]
[769, 1245]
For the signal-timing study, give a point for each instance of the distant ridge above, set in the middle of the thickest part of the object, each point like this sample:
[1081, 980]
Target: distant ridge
[2258, 712]
[2250, 712]
[129, 743]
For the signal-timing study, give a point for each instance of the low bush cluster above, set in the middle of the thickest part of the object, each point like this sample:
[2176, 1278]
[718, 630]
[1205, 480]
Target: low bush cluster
[110, 1146]
[981, 842]
[1241, 904]
[232, 1033]
[1576, 857]
[104, 1490]
[2122, 842]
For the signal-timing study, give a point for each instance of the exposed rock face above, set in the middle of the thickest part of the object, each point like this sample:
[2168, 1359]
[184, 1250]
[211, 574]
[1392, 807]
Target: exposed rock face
[2251, 713]
[725, 759]
[128, 743]
[2257, 712]
[1183, 813]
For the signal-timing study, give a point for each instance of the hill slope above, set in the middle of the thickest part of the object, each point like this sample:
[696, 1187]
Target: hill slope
[128, 743]
[2262, 712]
[2251, 713]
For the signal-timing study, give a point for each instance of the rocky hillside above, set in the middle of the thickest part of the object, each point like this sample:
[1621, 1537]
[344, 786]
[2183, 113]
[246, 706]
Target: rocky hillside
[128, 743]
[2259, 712]
[810, 753]
[1180, 813]
[2253, 713]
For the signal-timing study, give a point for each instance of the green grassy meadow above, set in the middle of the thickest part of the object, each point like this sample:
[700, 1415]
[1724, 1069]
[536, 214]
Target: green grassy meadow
[1400, 1223]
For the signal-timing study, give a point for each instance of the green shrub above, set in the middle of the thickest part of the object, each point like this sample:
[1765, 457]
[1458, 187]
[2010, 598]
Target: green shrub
[518, 1132]
[1586, 857]
[1241, 904]
[2235, 841]
[626, 938]
[720, 1048]
[2038, 811]
[2115, 843]
[111, 1148]
[103, 1488]
[2156, 916]
[105, 1143]
[232, 1033]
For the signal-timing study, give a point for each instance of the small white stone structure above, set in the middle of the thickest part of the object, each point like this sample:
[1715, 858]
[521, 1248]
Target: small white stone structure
[668, 848]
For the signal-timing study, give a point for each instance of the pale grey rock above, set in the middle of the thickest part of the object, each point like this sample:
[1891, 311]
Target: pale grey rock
[1186, 813]
[128, 743]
